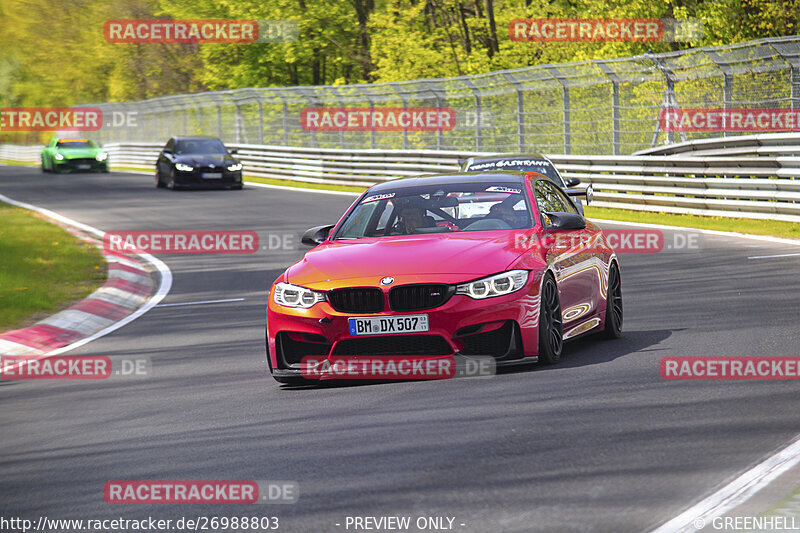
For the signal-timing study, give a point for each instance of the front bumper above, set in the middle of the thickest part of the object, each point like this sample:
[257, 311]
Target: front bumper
[81, 165]
[505, 328]
[194, 178]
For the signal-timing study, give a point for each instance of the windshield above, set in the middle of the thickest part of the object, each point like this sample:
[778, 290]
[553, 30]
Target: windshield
[75, 144]
[438, 209]
[200, 146]
[542, 166]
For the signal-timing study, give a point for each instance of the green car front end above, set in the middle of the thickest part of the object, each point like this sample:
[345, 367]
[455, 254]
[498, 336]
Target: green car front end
[74, 155]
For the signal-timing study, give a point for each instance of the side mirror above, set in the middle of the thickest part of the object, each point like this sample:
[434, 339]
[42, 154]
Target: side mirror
[316, 235]
[573, 182]
[565, 221]
[166, 151]
[588, 193]
[233, 151]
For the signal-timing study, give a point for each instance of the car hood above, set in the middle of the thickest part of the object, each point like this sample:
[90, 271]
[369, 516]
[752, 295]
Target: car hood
[443, 258]
[78, 153]
[199, 160]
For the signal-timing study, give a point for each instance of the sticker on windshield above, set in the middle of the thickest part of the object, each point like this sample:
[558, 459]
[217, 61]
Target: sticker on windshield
[482, 166]
[523, 162]
[509, 190]
[377, 197]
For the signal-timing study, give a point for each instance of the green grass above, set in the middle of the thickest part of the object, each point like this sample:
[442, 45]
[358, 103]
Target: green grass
[43, 269]
[11, 162]
[775, 228]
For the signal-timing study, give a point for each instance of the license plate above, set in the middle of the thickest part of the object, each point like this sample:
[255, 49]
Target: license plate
[212, 175]
[386, 325]
[84, 167]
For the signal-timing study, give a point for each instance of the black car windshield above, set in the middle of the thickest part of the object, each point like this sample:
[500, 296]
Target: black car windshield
[200, 146]
[75, 144]
[542, 166]
[458, 207]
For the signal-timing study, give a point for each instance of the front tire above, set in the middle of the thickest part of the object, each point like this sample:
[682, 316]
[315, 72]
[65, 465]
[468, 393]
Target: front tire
[159, 183]
[614, 316]
[171, 182]
[551, 336]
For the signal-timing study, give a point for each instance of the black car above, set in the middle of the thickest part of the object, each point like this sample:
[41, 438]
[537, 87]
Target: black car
[529, 163]
[198, 162]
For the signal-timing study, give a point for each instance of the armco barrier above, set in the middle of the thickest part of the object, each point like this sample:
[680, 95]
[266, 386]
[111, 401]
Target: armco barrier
[735, 186]
[765, 144]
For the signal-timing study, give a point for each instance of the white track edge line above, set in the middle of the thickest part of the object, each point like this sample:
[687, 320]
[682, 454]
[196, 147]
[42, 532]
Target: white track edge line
[736, 492]
[164, 286]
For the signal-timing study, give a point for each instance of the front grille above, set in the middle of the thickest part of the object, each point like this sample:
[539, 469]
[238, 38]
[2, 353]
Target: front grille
[76, 162]
[419, 297]
[394, 345]
[357, 300]
[218, 170]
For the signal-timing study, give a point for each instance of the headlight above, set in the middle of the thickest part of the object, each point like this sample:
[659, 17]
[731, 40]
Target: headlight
[102, 156]
[234, 168]
[497, 285]
[294, 296]
[59, 157]
[183, 168]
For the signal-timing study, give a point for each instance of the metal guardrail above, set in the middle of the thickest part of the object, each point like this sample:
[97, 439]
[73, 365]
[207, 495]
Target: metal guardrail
[736, 186]
[768, 144]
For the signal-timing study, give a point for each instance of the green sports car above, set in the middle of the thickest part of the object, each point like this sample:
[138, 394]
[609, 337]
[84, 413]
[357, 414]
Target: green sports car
[62, 155]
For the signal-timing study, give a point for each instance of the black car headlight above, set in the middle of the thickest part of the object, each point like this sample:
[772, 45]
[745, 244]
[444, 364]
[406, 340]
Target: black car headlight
[290, 295]
[183, 168]
[495, 285]
[235, 167]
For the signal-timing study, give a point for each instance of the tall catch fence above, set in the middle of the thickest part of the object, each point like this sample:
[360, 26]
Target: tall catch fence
[599, 107]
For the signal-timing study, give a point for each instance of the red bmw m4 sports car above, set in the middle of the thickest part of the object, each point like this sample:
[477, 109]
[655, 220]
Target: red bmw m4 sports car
[496, 264]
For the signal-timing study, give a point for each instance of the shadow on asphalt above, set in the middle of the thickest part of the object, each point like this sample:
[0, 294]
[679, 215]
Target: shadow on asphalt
[589, 350]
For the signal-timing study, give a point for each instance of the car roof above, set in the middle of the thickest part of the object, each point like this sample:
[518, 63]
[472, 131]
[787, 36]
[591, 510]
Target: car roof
[195, 138]
[499, 177]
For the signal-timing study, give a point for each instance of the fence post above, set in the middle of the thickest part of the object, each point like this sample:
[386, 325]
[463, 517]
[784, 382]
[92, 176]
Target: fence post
[360, 89]
[520, 111]
[401, 94]
[566, 105]
[615, 113]
[670, 100]
[341, 104]
[727, 77]
[793, 60]
[478, 111]
[439, 134]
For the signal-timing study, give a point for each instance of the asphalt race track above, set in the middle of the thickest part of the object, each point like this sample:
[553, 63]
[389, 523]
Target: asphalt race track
[598, 443]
